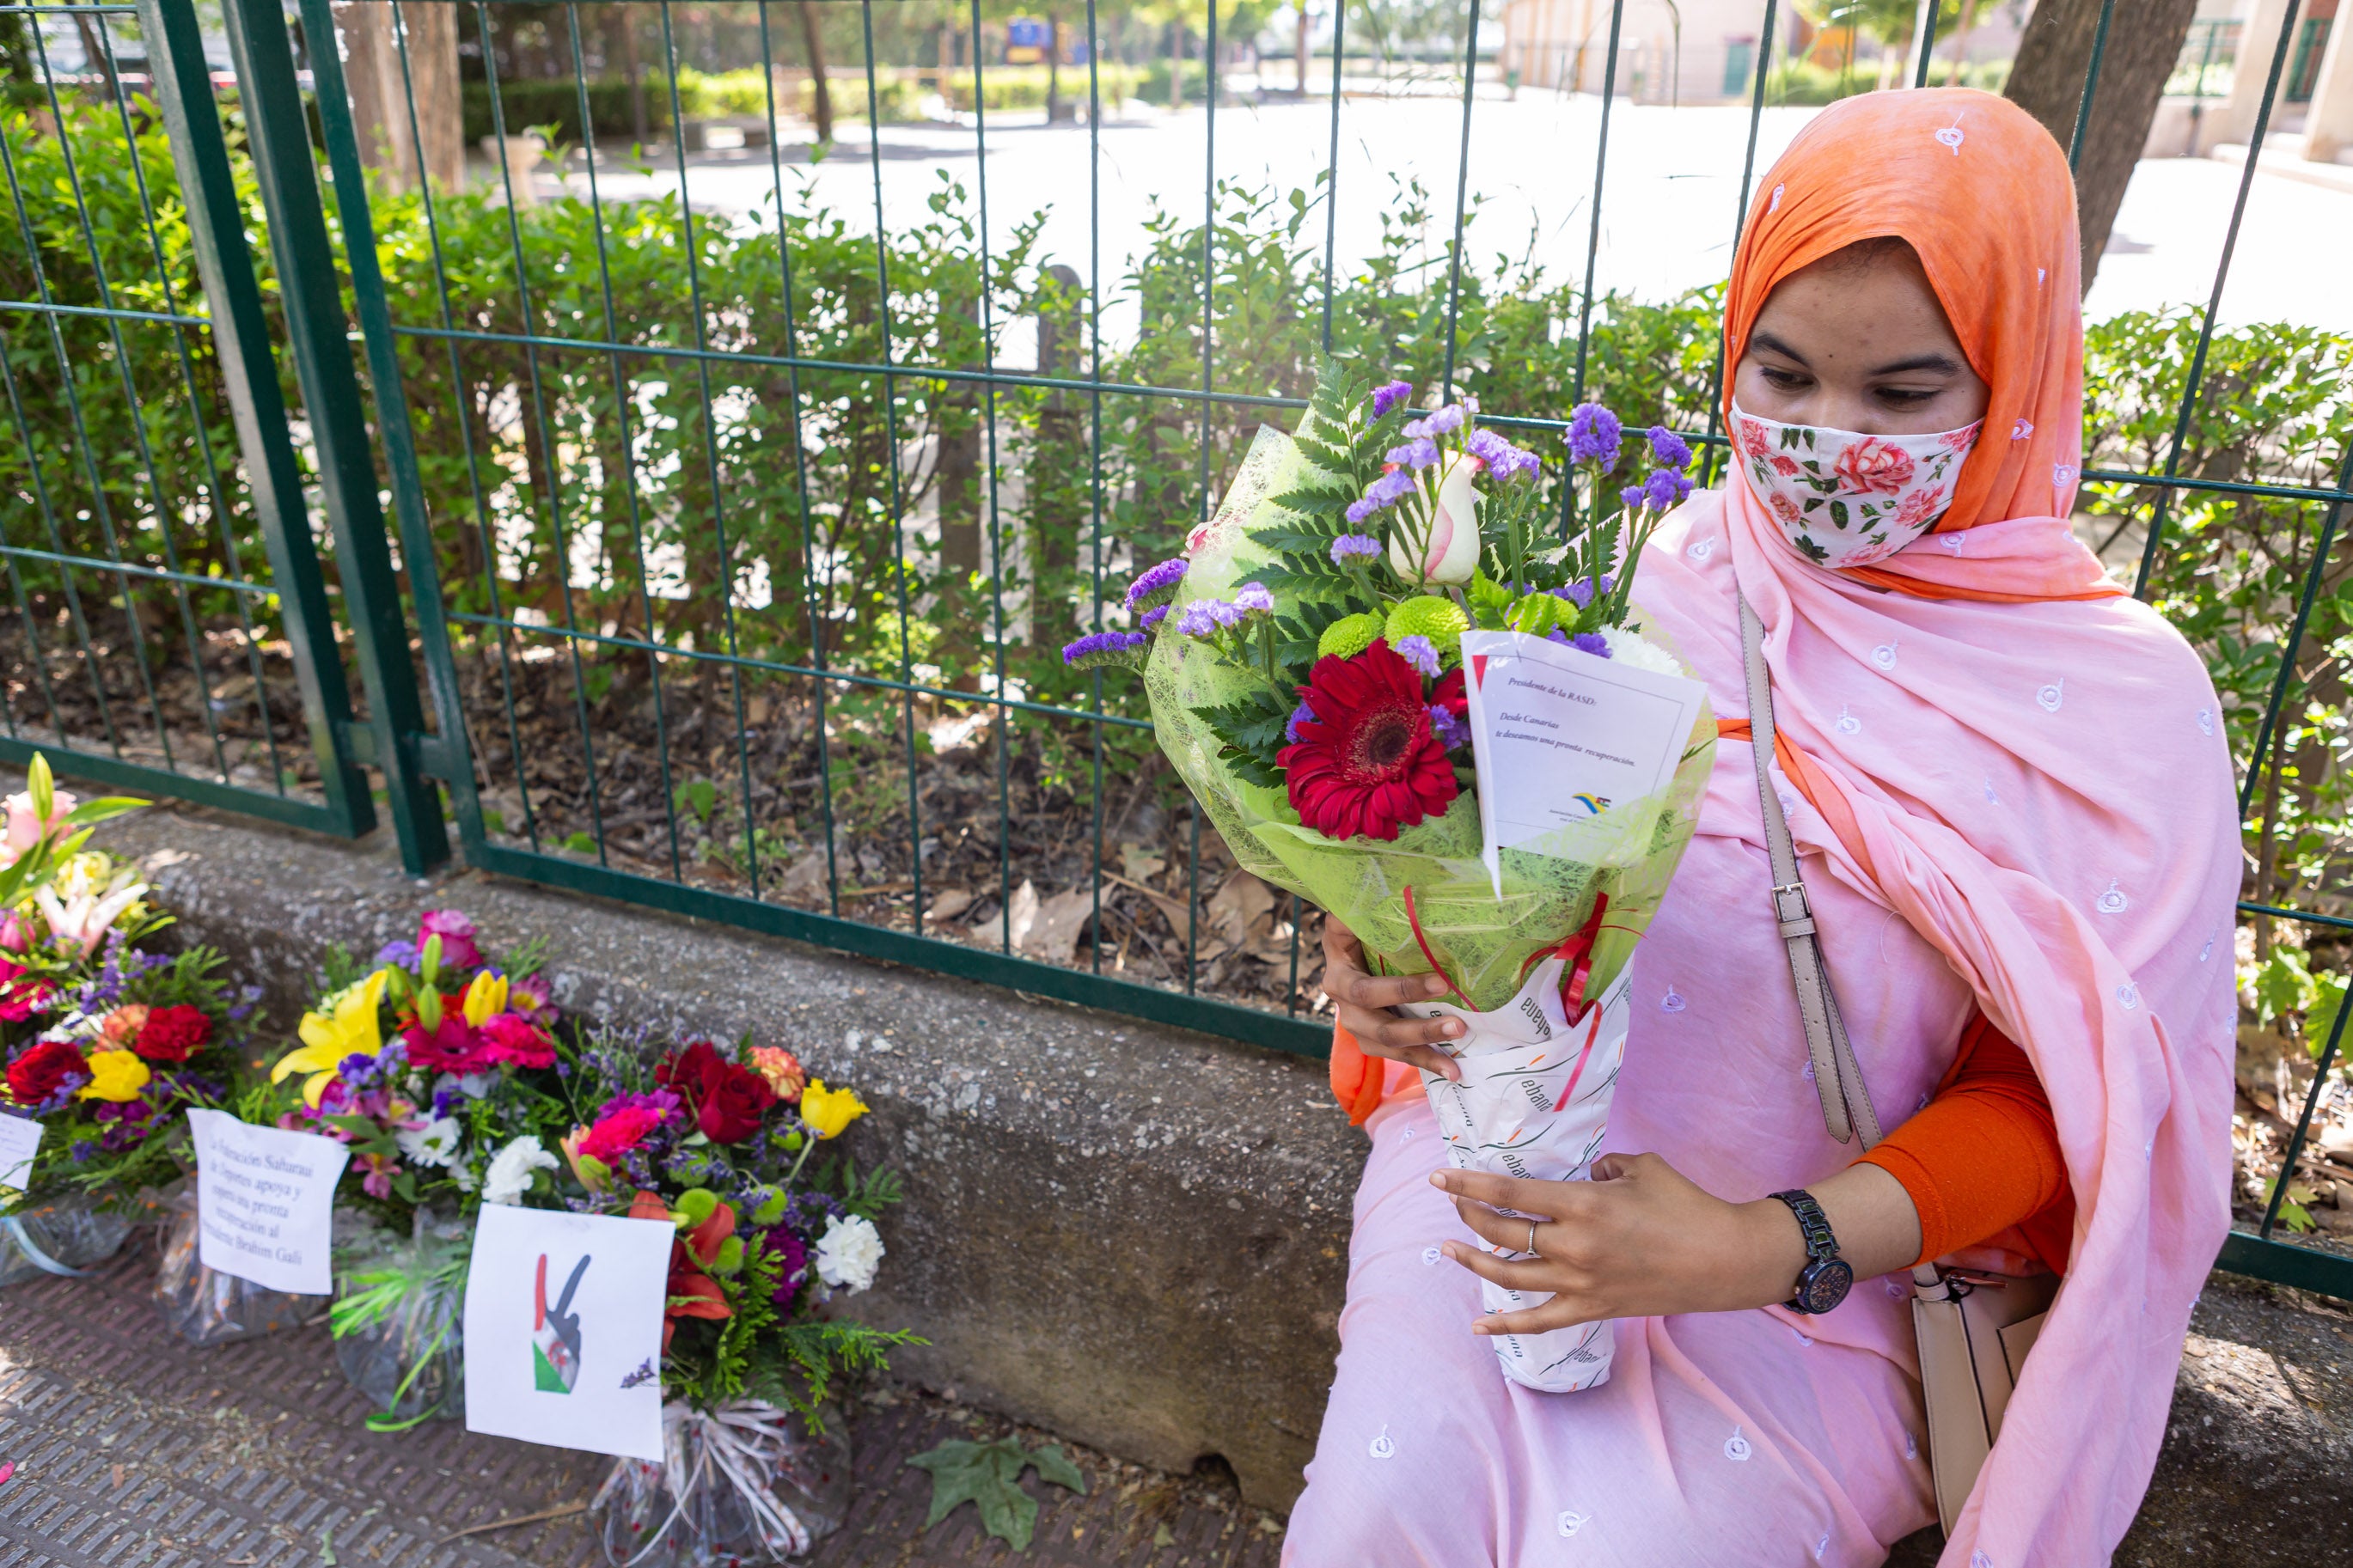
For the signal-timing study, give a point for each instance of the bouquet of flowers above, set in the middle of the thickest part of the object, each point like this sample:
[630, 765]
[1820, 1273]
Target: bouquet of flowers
[1305, 663]
[104, 1040]
[719, 1140]
[438, 1065]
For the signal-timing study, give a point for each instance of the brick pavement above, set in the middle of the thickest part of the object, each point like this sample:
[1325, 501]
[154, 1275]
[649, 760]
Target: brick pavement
[134, 1451]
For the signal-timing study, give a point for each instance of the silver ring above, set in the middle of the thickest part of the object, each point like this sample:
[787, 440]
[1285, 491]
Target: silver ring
[1531, 1248]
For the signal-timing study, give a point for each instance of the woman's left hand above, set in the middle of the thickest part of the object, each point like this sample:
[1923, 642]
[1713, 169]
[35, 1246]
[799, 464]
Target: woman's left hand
[1637, 1240]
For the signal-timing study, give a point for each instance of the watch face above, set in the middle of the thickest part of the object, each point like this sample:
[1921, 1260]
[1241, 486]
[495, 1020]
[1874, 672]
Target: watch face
[1823, 1285]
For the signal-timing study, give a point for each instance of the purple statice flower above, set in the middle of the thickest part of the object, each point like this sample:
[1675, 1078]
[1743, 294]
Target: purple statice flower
[1390, 394]
[1437, 422]
[1671, 449]
[1156, 586]
[1419, 453]
[1594, 435]
[84, 1151]
[1581, 592]
[1634, 499]
[1593, 643]
[1382, 494]
[1665, 487]
[399, 955]
[1152, 618]
[1420, 652]
[247, 998]
[1451, 732]
[1254, 599]
[1354, 547]
[1303, 715]
[1101, 648]
[1503, 461]
[1203, 617]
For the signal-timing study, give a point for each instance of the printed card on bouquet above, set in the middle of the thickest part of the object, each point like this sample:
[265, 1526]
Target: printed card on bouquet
[266, 1202]
[1559, 735]
[20, 1139]
[563, 1329]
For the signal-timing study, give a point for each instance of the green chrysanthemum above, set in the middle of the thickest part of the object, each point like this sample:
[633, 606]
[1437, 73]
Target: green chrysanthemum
[1349, 637]
[1439, 620]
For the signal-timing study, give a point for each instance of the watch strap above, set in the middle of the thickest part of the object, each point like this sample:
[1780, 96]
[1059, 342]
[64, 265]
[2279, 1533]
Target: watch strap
[1820, 1245]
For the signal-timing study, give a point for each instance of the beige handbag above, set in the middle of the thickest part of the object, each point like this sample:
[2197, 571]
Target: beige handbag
[1975, 1329]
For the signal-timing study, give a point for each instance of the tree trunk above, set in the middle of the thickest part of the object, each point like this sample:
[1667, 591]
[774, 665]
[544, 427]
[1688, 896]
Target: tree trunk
[822, 109]
[390, 140]
[1053, 68]
[1299, 48]
[2048, 83]
[621, 50]
[96, 56]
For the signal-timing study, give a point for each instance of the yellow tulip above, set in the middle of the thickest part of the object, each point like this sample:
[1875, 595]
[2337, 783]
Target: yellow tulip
[351, 1029]
[486, 998]
[115, 1075]
[828, 1110]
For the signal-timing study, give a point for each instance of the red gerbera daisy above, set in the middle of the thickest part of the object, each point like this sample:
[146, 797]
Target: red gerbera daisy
[1367, 763]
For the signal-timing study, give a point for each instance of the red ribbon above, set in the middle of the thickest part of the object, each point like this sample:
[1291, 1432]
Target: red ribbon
[1421, 942]
[1576, 951]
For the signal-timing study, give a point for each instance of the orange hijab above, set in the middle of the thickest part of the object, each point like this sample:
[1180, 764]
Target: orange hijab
[1996, 234]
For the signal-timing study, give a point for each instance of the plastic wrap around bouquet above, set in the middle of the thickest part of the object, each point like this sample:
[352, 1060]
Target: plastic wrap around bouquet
[742, 1482]
[1307, 665]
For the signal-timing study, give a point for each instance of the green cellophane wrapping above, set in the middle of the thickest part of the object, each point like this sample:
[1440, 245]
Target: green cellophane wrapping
[1483, 941]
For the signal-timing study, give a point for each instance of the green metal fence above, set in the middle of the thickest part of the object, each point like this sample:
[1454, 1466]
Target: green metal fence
[738, 543]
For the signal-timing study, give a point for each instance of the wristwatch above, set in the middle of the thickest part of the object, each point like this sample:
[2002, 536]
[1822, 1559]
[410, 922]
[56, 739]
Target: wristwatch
[1824, 1281]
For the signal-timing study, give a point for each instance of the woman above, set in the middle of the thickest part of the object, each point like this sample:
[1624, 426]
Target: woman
[2012, 801]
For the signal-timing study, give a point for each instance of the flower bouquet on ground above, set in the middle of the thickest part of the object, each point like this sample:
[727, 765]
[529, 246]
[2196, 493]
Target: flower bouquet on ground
[106, 1039]
[1305, 661]
[438, 1065]
[722, 1142]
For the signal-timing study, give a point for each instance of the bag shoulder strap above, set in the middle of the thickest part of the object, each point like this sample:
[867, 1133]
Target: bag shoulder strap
[1838, 1078]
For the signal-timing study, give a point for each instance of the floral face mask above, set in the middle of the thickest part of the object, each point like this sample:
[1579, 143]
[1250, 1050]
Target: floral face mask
[1849, 499]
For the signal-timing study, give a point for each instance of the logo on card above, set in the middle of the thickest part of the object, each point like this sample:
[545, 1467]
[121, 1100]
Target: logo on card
[1594, 805]
[554, 1333]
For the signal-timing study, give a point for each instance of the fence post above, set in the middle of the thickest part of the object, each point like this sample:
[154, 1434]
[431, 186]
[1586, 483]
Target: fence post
[280, 139]
[249, 376]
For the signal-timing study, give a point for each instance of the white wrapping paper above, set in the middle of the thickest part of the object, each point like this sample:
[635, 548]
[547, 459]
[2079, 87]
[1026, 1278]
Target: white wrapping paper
[1534, 1102]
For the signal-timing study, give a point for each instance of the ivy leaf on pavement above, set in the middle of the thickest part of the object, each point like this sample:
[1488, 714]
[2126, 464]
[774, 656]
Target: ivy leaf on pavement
[988, 1476]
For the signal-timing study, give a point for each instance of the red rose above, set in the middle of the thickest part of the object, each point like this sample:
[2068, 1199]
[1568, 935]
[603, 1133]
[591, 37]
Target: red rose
[1872, 467]
[1785, 467]
[170, 1034]
[1755, 439]
[45, 1070]
[728, 1100]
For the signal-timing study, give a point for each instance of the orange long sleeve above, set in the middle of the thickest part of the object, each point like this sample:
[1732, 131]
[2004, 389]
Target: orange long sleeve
[1984, 1156]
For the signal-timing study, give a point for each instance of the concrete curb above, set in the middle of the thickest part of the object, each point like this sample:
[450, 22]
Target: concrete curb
[1131, 1235]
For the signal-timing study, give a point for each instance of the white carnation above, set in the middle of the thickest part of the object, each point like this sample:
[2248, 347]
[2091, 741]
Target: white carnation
[433, 1143]
[850, 1252]
[1627, 648]
[511, 1169]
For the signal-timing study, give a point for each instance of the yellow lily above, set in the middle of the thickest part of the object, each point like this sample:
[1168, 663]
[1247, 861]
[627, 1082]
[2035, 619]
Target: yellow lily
[351, 1029]
[828, 1110]
[117, 1075]
[486, 998]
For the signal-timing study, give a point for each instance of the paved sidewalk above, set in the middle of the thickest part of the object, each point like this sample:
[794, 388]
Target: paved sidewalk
[134, 1451]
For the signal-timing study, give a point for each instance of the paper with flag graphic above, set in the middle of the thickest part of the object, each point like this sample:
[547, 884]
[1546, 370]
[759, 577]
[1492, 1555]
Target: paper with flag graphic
[1558, 734]
[564, 1324]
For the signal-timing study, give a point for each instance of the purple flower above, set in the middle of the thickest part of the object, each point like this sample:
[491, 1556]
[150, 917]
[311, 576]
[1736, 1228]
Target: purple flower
[1593, 643]
[1665, 487]
[1594, 435]
[1634, 499]
[1671, 449]
[1353, 546]
[1253, 596]
[1156, 586]
[1451, 732]
[1303, 715]
[1420, 652]
[399, 955]
[1417, 453]
[1202, 616]
[785, 1245]
[1151, 618]
[1503, 461]
[1581, 592]
[1390, 394]
[1103, 648]
[1381, 494]
[1437, 422]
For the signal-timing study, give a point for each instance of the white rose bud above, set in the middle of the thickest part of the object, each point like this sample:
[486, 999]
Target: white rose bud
[1451, 553]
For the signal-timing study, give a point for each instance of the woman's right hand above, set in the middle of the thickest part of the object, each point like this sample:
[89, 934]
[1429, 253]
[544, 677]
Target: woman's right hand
[1363, 1001]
